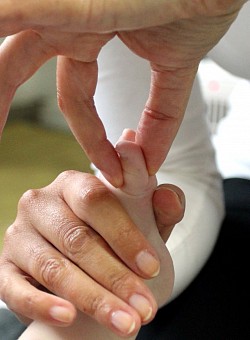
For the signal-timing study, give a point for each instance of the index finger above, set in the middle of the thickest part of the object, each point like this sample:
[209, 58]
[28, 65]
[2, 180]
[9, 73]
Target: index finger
[112, 222]
[163, 113]
[76, 83]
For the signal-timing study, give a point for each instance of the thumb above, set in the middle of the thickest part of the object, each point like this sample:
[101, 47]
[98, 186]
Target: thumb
[169, 208]
[163, 113]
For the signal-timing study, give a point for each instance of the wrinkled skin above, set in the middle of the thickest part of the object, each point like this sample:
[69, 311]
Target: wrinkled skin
[61, 235]
[136, 197]
[172, 35]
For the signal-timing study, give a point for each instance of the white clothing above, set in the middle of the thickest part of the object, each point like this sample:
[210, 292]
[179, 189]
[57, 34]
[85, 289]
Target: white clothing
[121, 94]
[120, 97]
[2, 304]
[232, 140]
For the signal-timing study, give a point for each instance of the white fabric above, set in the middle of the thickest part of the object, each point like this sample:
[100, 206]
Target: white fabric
[2, 305]
[232, 140]
[121, 94]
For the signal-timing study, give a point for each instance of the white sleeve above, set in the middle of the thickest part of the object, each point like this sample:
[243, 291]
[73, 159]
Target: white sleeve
[233, 51]
[121, 94]
[232, 137]
[191, 165]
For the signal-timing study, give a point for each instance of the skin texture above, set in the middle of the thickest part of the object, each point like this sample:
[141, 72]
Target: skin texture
[172, 35]
[136, 197]
[87, 225]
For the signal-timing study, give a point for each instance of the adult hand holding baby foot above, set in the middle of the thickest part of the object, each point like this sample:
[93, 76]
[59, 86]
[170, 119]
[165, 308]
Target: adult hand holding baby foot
[90, 256]
[136, 197]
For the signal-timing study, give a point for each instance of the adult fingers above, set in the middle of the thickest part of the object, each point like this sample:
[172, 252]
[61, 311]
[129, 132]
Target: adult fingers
[169, 208]
[93, 203]
[76, 87]
[20, 57]
[163, 113]
[31, 303]
[84, 247]
[22, 54]
[48, 267]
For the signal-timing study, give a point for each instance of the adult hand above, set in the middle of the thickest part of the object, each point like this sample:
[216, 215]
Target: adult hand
[103, 16]
[51, 246]
[172, 35]
[174, 51]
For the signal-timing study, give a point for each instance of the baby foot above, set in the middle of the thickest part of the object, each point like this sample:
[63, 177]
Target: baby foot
[136, 197]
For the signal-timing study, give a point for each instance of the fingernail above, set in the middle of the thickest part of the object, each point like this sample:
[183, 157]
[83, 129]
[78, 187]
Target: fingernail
[148, 264]
[142, 305]
[180, 198]
[123, 321]
[61, 314]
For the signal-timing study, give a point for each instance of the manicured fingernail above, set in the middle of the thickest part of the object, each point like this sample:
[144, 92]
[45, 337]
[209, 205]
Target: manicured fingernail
[123, 321]
[148, 264]
[61, 314]
[142, 305]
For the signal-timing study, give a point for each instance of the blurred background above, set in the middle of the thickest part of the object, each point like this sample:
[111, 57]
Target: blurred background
[37, 144]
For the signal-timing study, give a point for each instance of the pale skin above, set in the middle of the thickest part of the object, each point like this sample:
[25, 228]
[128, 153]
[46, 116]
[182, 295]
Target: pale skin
[136, 197]
[70, 222]
[172, 35]
[42, 35]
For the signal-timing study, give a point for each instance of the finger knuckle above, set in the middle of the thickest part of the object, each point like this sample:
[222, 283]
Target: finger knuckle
[126, 231]
[76, 241]
[31, 304]
[65, 175]
[14, 234]
[158, 115]
[94, 194]
[11, 232]
[123, 282]
[95, 305]
[52, 271]
[28, 199]
[5, 288]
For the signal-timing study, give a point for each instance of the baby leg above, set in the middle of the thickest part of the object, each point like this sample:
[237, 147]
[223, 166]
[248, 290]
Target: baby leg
[136, 197]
